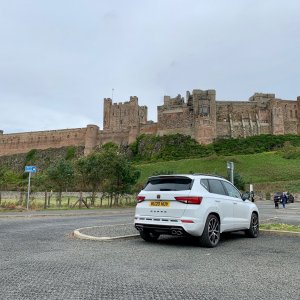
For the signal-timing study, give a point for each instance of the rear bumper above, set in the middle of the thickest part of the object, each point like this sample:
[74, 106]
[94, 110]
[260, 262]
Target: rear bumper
[162, 229]
[169, 226]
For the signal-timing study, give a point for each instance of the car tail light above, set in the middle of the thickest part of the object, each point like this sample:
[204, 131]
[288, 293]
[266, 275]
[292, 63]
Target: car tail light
[140, 198]
[189, 200]
[187, 221]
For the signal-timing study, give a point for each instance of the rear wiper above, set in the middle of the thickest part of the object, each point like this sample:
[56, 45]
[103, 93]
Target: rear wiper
[166, 190]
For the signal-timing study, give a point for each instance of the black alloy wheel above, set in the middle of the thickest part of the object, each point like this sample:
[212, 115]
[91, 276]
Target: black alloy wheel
[253, 231]
[211, 233]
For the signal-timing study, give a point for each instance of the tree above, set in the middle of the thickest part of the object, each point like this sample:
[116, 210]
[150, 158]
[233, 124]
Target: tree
[61, 174]
[90, 170]
[8, 179]
[119, 174]
[239, 181]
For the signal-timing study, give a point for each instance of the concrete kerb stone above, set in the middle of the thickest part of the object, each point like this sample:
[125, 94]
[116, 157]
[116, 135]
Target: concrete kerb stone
[44, 215]
[59, 214]
[83, 236]
[280, 232]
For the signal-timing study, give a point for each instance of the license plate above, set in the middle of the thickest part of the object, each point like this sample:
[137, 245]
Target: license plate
[160, 203]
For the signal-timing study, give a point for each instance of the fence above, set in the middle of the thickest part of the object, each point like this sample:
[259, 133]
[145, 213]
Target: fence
[48, 200]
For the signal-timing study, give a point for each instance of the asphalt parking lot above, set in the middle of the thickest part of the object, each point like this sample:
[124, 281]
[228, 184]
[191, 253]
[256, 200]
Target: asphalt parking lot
[40, 259]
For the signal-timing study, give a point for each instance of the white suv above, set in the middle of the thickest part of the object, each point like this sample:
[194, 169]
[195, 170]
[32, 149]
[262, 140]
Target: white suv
[199, 205]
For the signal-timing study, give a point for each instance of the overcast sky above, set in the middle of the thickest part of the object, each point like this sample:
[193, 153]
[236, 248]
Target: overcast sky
[60, 58]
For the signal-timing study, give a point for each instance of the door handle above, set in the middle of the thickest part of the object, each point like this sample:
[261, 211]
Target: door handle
[218, 201]
[234, 202]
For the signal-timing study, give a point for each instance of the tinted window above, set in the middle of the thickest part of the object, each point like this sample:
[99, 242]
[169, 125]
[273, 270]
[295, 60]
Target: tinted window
[232, 191]
[216, 187]
[204, 182]
[169, 184]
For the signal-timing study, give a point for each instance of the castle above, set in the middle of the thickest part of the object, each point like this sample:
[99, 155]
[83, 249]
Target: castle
[199, 115]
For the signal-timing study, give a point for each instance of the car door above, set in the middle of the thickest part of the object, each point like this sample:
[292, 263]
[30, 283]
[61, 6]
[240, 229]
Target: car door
[240, 207]
[223, 202]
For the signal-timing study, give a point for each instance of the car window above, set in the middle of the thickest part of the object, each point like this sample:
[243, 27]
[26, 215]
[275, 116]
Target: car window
[204, 182]
[231, 190]
[216, 187]
[169, 184]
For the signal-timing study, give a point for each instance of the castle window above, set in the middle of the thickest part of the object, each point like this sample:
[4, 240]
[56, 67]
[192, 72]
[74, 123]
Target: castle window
[204, 110]
[296, 114]
[291, 113]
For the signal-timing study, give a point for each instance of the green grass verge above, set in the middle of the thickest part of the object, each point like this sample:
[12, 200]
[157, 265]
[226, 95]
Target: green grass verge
[281, 227]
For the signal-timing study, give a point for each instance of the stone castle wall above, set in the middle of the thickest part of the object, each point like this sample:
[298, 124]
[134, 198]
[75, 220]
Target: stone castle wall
[200, 115]
[23, 142]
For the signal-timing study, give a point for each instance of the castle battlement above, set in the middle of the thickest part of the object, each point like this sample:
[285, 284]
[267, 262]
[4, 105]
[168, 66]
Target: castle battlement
[199, 115]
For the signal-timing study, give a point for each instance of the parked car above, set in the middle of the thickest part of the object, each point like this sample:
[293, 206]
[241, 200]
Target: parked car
[290, 198]
[200, 206]
[278, 197]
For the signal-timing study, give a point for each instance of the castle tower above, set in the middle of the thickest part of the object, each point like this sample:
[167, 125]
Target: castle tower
[91, 138]
[204, 113]
[107, 112]
[123, 116]
[277, 117]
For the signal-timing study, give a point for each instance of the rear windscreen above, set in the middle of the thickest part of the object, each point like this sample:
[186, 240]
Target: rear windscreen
[169, 184]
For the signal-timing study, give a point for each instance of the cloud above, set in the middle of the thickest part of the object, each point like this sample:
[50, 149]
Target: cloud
[61, 58]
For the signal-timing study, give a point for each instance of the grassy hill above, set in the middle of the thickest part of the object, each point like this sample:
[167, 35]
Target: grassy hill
[269, 162]
[268, 171]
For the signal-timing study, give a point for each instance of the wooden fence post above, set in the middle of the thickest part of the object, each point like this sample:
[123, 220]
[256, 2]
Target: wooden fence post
[46, 198]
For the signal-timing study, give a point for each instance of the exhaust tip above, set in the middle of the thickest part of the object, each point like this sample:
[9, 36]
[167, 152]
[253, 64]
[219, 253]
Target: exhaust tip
[139, 228]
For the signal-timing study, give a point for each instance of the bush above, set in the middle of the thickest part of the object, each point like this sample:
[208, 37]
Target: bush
[70, 153]
[291, 153]
[163, 172]
[30, 156]
[239, 182]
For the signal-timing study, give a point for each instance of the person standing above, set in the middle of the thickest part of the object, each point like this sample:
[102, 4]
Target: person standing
[252, 196]
[283, 199]
[276, 202]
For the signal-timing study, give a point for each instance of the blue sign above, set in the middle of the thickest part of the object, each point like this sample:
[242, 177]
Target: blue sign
[30, 169]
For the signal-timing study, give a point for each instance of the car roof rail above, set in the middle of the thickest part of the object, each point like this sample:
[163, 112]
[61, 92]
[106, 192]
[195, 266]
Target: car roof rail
[205, 174]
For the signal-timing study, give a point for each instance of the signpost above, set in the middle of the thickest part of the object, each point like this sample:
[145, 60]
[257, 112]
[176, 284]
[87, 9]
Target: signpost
[230, 167]
[29, 169]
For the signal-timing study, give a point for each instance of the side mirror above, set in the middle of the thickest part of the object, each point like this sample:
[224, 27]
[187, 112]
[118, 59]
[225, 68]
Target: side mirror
[246, 196]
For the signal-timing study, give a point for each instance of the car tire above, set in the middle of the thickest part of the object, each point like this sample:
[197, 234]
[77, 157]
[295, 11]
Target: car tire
[211, 233]
[149, 236]
[253, 230]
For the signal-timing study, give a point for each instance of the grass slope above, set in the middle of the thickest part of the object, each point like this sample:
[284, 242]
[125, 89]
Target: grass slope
[269, 171]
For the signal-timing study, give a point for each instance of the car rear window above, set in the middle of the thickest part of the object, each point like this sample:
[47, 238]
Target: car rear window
[169, 184]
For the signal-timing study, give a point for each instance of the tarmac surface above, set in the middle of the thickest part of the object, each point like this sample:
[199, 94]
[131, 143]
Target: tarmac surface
[268, 214]
[41, 259]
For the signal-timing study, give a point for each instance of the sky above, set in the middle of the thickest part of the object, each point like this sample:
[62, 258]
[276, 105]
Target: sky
[59, 59]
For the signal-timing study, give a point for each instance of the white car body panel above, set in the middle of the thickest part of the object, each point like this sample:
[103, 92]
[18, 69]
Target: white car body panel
[234, 213]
